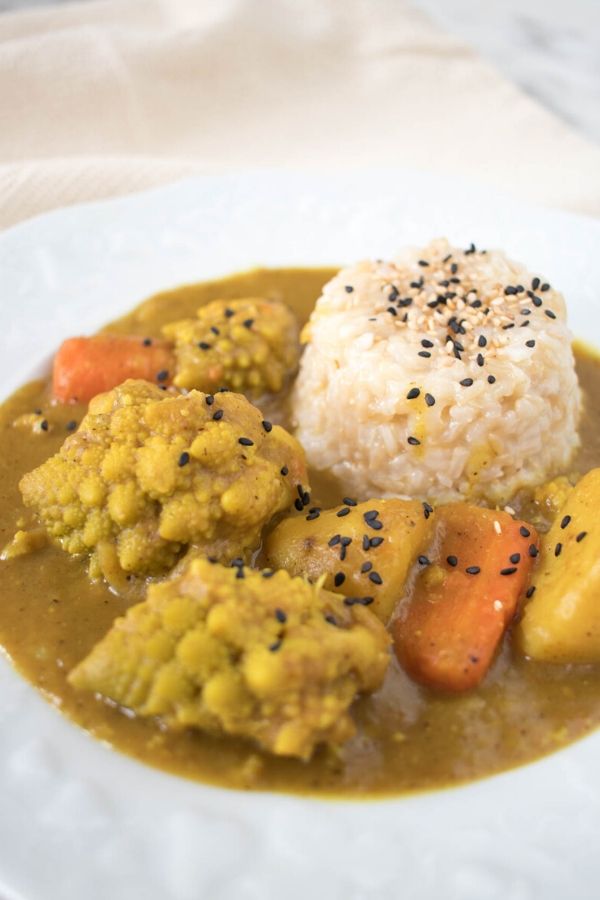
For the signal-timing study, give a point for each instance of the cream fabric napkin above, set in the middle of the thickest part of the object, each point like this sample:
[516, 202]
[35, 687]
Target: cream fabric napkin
[111, 96]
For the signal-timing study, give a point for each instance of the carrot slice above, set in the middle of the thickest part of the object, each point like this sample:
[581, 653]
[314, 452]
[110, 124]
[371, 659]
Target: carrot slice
[84, 367]
[448, 631]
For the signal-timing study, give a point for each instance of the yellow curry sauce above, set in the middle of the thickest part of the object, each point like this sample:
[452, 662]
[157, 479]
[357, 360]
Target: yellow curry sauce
[407, 739]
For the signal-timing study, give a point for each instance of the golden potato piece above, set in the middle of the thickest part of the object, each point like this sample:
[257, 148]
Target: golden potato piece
[561, 622]
[240, 652]
[250, 346]
[362, 550]
[154, 473]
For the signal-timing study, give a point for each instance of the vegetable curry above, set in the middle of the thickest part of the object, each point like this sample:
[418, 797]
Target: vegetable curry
[408, 737]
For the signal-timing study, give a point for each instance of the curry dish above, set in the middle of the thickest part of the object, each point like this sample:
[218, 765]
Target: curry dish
[286, 563]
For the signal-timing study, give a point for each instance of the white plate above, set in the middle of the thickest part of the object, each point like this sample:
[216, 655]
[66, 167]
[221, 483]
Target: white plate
[80, 821]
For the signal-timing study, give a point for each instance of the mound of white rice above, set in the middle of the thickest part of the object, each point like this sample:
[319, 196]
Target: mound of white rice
[445, 374]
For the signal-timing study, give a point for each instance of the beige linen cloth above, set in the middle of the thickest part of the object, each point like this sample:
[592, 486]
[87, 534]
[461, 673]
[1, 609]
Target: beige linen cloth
[112, 96]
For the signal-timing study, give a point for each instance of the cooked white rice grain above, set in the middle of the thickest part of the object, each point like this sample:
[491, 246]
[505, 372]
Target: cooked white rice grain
[435, 320]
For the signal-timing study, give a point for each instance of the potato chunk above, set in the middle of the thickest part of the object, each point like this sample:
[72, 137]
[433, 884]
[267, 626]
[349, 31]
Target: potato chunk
[234, 651]
[561, 622]
[152, 474]
[251, 346]
[363, 550]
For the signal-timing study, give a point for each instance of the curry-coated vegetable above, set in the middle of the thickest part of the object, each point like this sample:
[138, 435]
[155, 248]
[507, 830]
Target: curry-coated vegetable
[86, 366]
[150, 474]
[464, 597]
[241, 652]
[561, 622]
[363, 550]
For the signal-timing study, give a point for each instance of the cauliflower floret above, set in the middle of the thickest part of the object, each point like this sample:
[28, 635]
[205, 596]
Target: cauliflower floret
[235, 651]
[251, 346]
[153, 474]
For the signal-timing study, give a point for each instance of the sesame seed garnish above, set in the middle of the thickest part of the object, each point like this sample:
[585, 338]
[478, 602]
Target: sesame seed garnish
[537, 301]
[423, 262]
[268, 573]
[565, 521]
[204, 345]
[229, 313]
[545, 287]
[452, 561]
[299, 505]
[427, 509]
[550, 314]
[215, 330]
[366, 543]
[334, 540]
[429, 400]
[524, 532]
[360, 601]
[366, 567]
[535, 284]
[218, 415]
[281, 616]
[413, 441]
[530, 591]
[162, 375]
[425, 354]
[331, 619]
[472, 570]
[348, 288]
[466, 382]
[482, 340]
[349, 501]
[497, 527]
[275, 646]
[375, 577]
[245, 442]
[510, 570]
[267, 425]
[491, 379]
[338, 579]
[581, 536]
[533, 551]
[284, 471]
[423, 560]
[313, 515]
[530, 343]
[480, 359]
[390, 309]
[375, 541]
[515, 558]
[147, 342]
[413, 394]
[183, 459]
[44, 425]
[342, 512]
[71, 426]
[209, 399]
[558, 549]
[509, 290]
[426, 343]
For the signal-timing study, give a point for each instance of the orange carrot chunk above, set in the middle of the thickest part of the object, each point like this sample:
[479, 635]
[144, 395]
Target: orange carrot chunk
[86, 366]
[464, 597]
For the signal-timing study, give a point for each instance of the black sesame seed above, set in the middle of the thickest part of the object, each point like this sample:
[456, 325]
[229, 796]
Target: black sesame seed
[366, 543]
[299, 505]
[525, 324]
[71, 426]
[466, 382]
[565, 521]
[533, 551]
[413, 441]
[581, 536]
[423, 262]
[454, 268]
[334, 540]
[349, 501]
[147, 342]
[515, 558]
[550, 314]
[507, 327]
[558, 549]
[482, 340]
[390, 309]
[284, 471]
[348, 288]
[524, 532]
[510, 290]
[183, 459]
[375, 541]
[338, 579]
[491, 379]
[423, 560]
[267, 425]
[215, 330]
[535, 284]
[452, 561]
[331, 619]
[530, 343]
[370, 514]
[545, 287]
[413, 394]
[281, 616]
[525, 312]
[313, 515]
[342, 512]
[375, 524]
[240, 573]
[510, 570]
[223, 390]
[162, 375]
[204, 345]
[530, 591]
[375, 577]
[44, 424]
[472, 570]
[366, 567]
[427, 509]
[480, 359]
[268, 573]
[274, 646]
[229, 313]
[426, 343]
[429, 400]
[248, 323]
[245, 442]
[209, 399]
[424, 353]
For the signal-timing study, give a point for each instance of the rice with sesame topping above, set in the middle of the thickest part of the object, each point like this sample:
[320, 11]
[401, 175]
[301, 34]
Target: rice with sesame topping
[503, 401]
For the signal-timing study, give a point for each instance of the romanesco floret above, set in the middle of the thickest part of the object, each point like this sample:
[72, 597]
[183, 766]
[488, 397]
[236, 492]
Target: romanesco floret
[250, 345]
[150, 474]
[231, 651]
